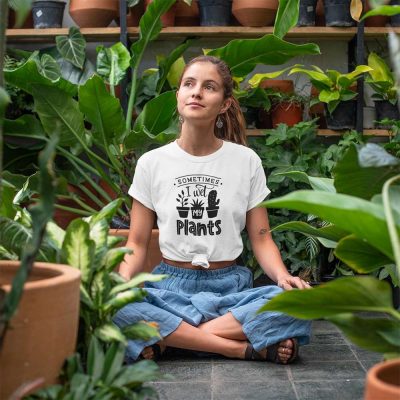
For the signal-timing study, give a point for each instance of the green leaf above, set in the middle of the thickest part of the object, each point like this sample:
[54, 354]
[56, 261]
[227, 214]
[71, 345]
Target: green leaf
[49, 68]
[27, 126]
[286, 17]
[55, 235]
[113, 362]
[136, 281]
[318, 76]
[107, 212]
[113, 257]
[370, 333]
[6, 206]
[22, 9]
[317, 183]
[112, 62]
[99, 233]
[360, 217]
[243, 55]
[343, 295]
[142, 371]
[351, 76]
[380, 70]
[78, 249]
[95, 360]
[109, 333]
[4, 102]
[359, 255]
[364, 182]
[382, 10]
[103, 111]
[327, 96]
[141, 331]
[256, 79]
[59, 114]
[72, 47]
[122, 299]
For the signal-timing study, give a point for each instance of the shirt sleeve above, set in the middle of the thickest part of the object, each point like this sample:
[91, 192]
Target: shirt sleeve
[141, 186]
[258, 188]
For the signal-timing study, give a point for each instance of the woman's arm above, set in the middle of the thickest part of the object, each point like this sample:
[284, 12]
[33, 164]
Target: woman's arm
[142, 221]
[266, 251]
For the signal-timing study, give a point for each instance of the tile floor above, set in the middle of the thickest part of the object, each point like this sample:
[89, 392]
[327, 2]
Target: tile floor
[329, 368]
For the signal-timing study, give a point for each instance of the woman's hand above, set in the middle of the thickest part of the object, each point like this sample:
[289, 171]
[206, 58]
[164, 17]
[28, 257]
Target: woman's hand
[288, 282]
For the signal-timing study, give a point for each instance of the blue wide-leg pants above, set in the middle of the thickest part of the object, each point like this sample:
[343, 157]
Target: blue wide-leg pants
[197, 296]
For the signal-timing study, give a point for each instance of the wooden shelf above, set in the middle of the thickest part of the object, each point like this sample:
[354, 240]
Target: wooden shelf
[379, 32]
[323, 132]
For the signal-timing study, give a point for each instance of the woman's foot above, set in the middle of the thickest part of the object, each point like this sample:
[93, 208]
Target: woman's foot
[153, 352]
[283, 352]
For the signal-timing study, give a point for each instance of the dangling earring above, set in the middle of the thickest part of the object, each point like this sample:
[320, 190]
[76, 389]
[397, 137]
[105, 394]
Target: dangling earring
[219, 123]
[181, 120]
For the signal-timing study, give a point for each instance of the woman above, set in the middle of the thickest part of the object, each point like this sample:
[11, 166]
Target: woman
[204, 189]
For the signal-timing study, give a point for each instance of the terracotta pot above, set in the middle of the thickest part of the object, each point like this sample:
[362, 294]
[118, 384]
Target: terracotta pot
[379, 20]
[134, 14]
[383, 381]
[185, 15]
[320, 14]
[43, 332]
[93, 13]
[28, 23]
[255, 12]
[167, 19]
[317, 108]
[278, 85]
[154, 255]
[286, 113]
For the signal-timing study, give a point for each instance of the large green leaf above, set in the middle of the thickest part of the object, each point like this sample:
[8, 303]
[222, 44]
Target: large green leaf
[360, 217]
[141, 330]
[364, 182]
[113, 362]
[256, 79]
[110, 333]
[78, 249]
[103, 111]
[136, 281]
[286, 17]
[99, 233]
[72, 47]
[123, 298]
[95, 360]
[381, 71]
[27, 76]
[49, 68]
[4, 102]
[382, 10]
[112, 62]
[154, 123]
[107, 212]
[142, 371]
[316, 75]
[59, 114]
[316, 182]
[243, 55]
[359, 255]
[114, 257]
[7, 208]
[343, 295]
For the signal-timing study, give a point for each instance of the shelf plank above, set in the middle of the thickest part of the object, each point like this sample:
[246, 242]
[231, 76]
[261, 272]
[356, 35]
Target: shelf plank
[323, 132]
[372, 32]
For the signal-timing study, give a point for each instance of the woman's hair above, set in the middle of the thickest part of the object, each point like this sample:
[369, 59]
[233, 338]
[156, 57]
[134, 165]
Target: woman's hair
[234, 125]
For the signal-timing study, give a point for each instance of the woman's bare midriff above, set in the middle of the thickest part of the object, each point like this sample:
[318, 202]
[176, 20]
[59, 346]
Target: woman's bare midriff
[188, 264]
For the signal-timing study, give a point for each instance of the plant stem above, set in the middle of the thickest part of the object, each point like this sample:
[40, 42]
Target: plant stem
[132, 96]
[73, 210]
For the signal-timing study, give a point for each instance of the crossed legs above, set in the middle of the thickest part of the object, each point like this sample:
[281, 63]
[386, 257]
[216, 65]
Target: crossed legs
[222, 335]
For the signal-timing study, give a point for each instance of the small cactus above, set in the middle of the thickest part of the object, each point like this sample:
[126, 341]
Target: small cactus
[212, 199]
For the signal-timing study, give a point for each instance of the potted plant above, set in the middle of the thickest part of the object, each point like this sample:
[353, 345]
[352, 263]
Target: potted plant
[255, 12]
[287, 109]
[365, 225]
[337, 13]
[215, 12]
[335, 90]
[48, 13]
[307, 12]
[382, 81]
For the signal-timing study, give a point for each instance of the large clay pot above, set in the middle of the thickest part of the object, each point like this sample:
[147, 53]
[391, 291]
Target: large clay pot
[43, 332]
[278, 85]
[383, 381]
[154, 255]
[255, 12]
[185, 15]
[93, 13]
[167, 19]
[28, 23]
[286, 113]
[134, 14]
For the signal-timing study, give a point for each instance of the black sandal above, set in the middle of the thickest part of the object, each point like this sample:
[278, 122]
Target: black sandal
[157, 353]
[272, 353]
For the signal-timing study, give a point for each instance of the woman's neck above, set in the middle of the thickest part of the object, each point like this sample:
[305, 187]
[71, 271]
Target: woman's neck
[198, 142]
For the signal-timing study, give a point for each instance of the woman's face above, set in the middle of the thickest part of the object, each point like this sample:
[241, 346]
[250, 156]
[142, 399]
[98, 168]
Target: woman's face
[201, 93]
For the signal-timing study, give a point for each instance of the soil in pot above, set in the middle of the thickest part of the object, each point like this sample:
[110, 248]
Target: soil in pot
[343, 117]
[215, 12]
[307, 12]
[337, 13]
[47, 14]
[286, 113]
[255, 12]
[167, 19]
[93, 13]
[385, 109]
[187, 15]
[383, 381]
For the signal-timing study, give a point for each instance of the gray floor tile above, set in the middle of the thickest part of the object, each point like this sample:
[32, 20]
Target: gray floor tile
[337, 390]
[323, 326]
[327, 338]
[363, 354]
[367, 364]
[249, 371]
[253, 391]
[178, 391]
[334, 370]
[187, 371]
[320, 352]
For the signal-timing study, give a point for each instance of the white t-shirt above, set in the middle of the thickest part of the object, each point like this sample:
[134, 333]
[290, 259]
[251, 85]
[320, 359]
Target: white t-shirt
[200, 201]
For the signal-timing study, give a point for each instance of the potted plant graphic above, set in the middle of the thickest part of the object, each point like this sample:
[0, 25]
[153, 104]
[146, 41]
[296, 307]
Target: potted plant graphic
[197, 209]
[183, 210]
[212, 209]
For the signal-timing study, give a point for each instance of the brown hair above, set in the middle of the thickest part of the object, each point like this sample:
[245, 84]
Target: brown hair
[234, 126]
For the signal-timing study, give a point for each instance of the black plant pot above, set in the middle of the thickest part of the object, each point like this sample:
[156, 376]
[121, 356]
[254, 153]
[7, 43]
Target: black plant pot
[395, 19]
[307, 13]
[337, 13]
[215, 12]
[385, 109]
[343, 117]
[47, 14]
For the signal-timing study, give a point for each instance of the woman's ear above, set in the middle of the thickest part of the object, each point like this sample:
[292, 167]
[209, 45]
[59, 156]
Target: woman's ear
[226, 104]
